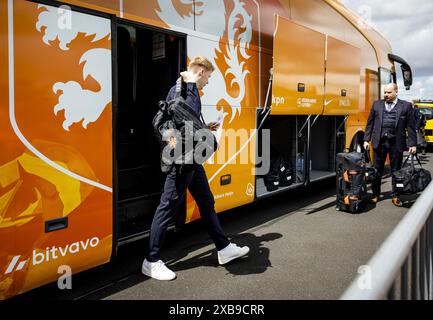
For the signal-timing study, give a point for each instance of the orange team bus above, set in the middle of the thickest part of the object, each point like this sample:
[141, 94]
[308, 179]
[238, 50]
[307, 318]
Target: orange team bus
[79, 85]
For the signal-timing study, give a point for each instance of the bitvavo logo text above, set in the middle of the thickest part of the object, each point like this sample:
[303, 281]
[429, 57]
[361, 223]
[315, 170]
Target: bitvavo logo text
[51, 253]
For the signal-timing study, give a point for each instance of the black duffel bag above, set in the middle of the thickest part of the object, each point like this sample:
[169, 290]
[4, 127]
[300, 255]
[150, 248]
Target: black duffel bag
[286, 173]
[409, 179]
[272, 178]
[195, 141]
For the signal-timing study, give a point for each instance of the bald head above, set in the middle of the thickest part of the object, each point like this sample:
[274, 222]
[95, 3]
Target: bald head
[390, 92]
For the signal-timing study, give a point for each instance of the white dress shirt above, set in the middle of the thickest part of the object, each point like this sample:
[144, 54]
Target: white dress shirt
[390, 106]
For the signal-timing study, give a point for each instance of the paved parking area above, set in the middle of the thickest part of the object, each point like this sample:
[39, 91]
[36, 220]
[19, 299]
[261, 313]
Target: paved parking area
[301, 248]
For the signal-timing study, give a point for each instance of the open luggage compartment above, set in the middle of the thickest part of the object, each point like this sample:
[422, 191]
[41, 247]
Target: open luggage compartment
[285, 144]
[308, 144]
[324, 146]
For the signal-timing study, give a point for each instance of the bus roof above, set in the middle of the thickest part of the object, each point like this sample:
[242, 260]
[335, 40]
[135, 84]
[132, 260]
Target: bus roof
[381, 46]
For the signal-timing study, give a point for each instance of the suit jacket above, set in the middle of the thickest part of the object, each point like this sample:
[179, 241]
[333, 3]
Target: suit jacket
[405, 120]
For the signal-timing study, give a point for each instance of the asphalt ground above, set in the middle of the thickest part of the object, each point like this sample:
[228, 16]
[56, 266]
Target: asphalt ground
[301, 248]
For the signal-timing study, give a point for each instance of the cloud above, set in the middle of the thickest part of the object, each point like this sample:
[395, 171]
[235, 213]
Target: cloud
[408, 26]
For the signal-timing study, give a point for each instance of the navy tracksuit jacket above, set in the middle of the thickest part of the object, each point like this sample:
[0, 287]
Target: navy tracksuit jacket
[176, 183]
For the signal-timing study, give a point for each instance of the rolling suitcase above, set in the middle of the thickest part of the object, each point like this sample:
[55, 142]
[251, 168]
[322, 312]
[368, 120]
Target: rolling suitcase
[351, 182]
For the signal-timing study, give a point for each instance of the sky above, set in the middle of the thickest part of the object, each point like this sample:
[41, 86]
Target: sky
[408, 26]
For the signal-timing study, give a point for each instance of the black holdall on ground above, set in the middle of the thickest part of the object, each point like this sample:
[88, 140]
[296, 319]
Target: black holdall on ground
[409, 179]
[195, 141]
[351, 182]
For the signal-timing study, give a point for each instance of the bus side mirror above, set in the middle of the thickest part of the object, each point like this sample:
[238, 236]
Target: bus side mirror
[405, 69]
[407, 75]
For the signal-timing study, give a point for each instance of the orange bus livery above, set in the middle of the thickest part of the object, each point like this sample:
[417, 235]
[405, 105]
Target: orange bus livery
[79, 85]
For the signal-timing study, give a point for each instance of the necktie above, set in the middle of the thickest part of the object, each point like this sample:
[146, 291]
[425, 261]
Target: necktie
[388, 107]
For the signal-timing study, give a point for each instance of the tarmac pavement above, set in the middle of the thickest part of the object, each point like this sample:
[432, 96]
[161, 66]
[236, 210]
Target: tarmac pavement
[301, 248]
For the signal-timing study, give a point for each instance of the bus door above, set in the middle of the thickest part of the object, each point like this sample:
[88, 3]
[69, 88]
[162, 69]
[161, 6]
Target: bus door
[56, 158]
[149, 61]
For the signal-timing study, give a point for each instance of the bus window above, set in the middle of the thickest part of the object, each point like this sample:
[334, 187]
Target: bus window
[385, 78]
[371, 88]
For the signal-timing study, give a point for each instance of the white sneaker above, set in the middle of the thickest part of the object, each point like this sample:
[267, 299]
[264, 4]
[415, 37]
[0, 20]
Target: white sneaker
[157, 270]
[231, 252]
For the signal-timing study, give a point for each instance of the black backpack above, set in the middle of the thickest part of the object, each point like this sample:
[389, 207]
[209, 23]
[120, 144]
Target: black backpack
[195, 142]
[411, 180]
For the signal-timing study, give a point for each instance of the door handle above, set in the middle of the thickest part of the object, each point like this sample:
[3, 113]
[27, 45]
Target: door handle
[56, 224]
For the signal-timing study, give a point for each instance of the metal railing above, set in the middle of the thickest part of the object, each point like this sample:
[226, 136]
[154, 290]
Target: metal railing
[402, 267]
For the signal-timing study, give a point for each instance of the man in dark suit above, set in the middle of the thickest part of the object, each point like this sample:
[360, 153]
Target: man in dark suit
[386, 129]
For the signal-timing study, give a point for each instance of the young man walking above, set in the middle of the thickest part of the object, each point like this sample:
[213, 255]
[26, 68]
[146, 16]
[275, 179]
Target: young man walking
[177, 181]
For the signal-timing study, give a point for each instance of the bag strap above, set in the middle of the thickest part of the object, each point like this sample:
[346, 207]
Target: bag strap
[412, 162]
[202, 119]
[178, 90]
[419, 162]
[405, 160]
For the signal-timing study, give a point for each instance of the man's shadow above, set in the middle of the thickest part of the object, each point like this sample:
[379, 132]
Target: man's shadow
[257, 261]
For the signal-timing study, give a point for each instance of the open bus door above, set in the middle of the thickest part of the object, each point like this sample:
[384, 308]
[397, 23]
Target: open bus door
[149, 61]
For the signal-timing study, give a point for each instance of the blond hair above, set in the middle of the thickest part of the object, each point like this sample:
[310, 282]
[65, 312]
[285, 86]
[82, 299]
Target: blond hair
[201, 61]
